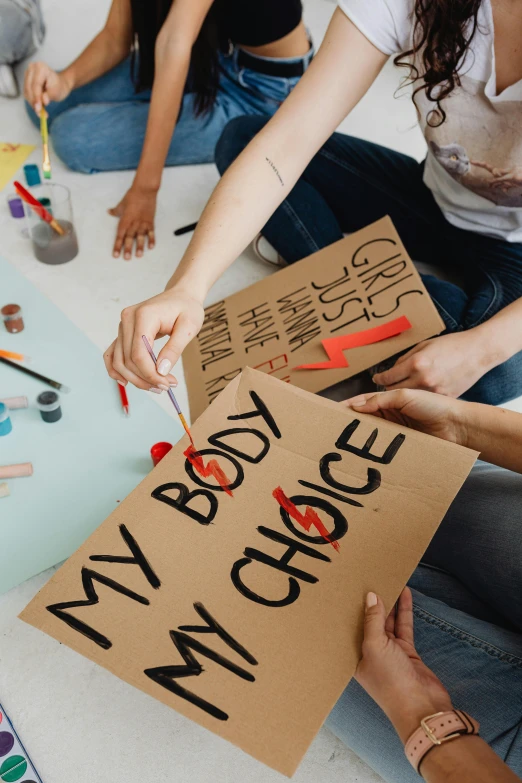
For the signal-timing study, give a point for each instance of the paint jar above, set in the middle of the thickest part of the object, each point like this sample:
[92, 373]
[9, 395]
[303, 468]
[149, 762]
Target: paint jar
[32, 174]
[5, 420]
[13, 320]
[48, 403]
[49, 247]
[159, 450]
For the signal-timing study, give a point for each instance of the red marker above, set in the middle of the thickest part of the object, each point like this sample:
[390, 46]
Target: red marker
[124, 399]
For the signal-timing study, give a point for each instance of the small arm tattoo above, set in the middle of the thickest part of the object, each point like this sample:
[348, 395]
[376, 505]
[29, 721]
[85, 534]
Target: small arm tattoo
[278, 175]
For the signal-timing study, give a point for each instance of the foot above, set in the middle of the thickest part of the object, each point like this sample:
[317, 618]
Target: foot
[8, 83]
[264, 250]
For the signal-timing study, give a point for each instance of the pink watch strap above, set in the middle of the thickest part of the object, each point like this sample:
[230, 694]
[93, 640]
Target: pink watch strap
[436, 729]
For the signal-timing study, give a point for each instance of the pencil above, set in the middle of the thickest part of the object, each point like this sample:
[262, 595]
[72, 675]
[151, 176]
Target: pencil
[37, 375]
[124, 399]
[185, 229]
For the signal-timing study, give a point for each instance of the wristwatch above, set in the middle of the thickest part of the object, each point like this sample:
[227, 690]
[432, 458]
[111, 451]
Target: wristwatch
[436, 729]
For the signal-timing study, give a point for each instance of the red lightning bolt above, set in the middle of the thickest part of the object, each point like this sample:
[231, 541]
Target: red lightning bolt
[212, 468]
[307, 520]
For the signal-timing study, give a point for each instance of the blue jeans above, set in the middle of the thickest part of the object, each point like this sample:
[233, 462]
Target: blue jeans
[101, 126]
[468, 627]
[351, 183]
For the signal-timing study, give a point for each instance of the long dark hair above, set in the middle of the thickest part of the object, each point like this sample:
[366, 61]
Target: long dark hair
[148, 17]
[442, 35]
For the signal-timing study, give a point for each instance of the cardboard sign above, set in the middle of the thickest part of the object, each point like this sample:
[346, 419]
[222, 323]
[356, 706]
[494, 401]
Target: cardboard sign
[230, 584]
[362, 283]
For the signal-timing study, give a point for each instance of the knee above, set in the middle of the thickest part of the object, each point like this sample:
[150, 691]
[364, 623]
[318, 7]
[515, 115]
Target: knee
[235, 137]
[16, 40]
[69, 143]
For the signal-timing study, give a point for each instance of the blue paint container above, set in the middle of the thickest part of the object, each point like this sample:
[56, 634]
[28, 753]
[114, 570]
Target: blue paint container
[32, 174]
[5, 420]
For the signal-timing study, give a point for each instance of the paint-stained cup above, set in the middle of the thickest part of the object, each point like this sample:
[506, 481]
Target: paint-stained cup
[49, 247]
[13, 320]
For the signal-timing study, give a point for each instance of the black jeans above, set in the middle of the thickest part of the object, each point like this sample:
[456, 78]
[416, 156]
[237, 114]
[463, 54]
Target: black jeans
[351, 183]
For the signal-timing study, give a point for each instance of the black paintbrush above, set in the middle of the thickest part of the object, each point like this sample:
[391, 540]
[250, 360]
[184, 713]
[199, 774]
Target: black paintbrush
[33, 374]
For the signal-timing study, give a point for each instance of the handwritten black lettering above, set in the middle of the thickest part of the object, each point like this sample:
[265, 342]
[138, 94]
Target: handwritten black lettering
[216, 385]
[260, 321]
[181, 503]
[364, 452]
[281, 564]
[217, 440]
[166, 675]
[261, 410]
[89, 576]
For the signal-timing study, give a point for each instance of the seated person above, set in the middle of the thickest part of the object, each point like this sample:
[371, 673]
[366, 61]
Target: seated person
[157, 86]
[455, 639]
[22, 31]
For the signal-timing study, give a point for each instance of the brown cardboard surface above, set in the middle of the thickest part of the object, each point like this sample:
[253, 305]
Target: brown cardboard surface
[361, 282]
[294, 659]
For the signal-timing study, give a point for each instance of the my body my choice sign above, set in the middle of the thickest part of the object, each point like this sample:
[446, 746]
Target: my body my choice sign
[230, 584]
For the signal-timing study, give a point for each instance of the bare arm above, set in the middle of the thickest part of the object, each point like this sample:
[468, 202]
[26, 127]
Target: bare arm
[106, 50]
[263, 175]
[172, 60]
[250, 191]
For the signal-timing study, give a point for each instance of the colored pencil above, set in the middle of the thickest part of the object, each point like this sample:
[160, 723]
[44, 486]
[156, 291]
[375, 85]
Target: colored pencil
[124, 399]
[38, 208]
[185, 229]
[46, 164]
[170, 392]
[33, 374]
[19, 357]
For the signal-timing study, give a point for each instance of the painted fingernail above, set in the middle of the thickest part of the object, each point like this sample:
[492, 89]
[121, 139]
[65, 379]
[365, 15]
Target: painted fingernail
[164, 367]
[155, 390]
[173, 383]
[163, 386]
[371, 600]
[122, 383]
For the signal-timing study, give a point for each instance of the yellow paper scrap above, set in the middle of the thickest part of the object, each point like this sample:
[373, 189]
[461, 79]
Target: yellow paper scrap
[12, 156]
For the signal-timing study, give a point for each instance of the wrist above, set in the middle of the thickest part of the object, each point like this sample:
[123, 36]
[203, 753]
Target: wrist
[186, 290]
[145, 186]
[406, 718]
[68, 80]
[490, 347]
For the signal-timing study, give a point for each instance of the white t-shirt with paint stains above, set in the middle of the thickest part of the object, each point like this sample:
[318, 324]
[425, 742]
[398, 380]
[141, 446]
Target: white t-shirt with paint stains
[474, 162]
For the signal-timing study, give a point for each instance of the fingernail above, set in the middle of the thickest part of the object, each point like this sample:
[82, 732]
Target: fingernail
[356, 402]
[155, 390]
[375, 379]
[173, 383]
[139, 254]
[164, 367]
[163, 386]
[122, 383]
[371, 600]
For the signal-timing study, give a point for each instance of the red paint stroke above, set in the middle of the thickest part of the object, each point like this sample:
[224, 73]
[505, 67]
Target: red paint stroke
[212, 468]
[307, 520]
[334, 346]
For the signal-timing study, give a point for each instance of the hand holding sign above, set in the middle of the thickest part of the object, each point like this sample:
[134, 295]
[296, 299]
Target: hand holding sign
[223, 579]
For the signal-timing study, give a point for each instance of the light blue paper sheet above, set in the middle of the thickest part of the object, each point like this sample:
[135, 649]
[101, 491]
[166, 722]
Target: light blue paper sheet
[85, 463]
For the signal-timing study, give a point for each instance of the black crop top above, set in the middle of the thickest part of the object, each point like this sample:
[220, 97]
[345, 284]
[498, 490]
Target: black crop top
[257, 22]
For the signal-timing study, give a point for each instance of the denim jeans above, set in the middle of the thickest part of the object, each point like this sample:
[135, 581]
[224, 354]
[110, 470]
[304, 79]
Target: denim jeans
[21, 29]
[351, 183]
[468, 627]
[101, 126]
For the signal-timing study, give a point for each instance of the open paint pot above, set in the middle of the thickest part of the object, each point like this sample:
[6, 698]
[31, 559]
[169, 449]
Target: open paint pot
[48, 403]
[49, 247]
[159, 450]
[12, 315]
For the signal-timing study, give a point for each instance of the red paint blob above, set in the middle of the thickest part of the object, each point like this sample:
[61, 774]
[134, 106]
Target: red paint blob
[212, 468]
[307, 520]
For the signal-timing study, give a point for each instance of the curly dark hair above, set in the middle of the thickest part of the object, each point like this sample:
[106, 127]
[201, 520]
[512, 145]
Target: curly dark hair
[442, 35]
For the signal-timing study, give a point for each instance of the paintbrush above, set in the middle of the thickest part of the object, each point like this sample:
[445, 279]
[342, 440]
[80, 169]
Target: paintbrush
[46, 164]
[170, 392]
[38, 208]
[33, 374]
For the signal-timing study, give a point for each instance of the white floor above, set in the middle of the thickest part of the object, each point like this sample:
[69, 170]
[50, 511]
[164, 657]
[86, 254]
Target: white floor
[80, 723]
